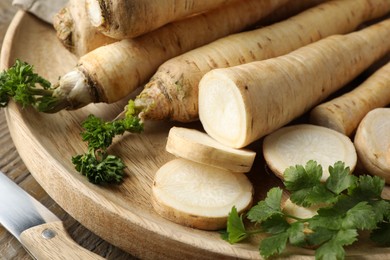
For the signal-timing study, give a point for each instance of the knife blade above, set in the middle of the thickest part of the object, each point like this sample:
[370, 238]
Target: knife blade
[41, 233]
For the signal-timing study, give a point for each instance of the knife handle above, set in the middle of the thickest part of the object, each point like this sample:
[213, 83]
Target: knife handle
[52, 241]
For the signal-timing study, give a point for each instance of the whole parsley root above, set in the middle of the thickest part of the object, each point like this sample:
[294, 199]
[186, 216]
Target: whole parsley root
[172, 92]
[252, 100]
[111, 72]
[344, 113]
[351, 204]
[75, 31]
[122, 19]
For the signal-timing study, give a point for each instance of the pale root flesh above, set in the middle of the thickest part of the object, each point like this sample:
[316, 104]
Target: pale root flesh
[117, 69]
[75, 31]
[297, 144]
[372, 142]
[293, 209]
[345, 112]
[122, 19]
[197, 146]
[252, 100]
[199, 196]
[172, 92]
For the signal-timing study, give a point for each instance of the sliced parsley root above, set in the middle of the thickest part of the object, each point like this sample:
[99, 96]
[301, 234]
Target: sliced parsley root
[297, 144]
[197, 146]
[372, 142]
[97, 165]
[351, 204]
[198, 195]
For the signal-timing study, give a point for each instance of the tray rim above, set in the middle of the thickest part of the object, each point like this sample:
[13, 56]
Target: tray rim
[14, 113]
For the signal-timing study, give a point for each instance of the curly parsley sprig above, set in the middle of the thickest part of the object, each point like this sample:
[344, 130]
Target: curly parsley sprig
[352, 204]
[25, 87]
[97, 165]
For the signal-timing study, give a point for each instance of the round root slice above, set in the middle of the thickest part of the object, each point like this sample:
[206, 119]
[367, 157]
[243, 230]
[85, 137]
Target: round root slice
[199, 147]
[372, 142]
[297, 144]
[198, 195]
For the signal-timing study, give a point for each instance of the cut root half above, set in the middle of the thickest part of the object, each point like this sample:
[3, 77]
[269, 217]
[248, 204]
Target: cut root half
[297, 144]
[199, 147]
[372, 142]
[222, 109]
[199, 196]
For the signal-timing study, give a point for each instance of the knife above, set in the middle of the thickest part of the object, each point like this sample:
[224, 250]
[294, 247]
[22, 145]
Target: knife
[41, 233]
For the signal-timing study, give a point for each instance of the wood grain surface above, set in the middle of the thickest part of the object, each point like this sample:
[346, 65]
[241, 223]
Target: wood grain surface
[12, 165]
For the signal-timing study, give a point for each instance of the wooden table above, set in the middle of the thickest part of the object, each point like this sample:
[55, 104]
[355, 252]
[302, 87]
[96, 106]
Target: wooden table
[12, 165]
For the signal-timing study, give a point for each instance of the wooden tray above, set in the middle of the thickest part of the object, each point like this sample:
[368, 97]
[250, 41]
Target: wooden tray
[121, 214]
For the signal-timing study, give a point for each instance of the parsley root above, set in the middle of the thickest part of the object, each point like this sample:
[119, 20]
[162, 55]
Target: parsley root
[252, 100]
[122, 19]
[112, 72]
[345, 112]
[172, 92]
[198, 195]
[321, 144]
[197, 146]
[372, 142]
[75, 31]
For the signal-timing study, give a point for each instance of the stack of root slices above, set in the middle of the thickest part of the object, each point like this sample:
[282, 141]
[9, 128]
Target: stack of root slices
[199, 188]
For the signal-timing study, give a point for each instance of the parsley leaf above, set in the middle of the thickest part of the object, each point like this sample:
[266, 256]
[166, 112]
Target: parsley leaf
[267, 208]
[381, 235]
[347, 204]
[235, 228]
[274, 244]
[24, 86]
[97, 164]
[340, 178]
[333, 249]
[305, 185]
[107, 169]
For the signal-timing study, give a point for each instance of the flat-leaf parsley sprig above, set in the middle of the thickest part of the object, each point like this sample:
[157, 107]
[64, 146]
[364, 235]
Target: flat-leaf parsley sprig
[96, 164]
[351, 204]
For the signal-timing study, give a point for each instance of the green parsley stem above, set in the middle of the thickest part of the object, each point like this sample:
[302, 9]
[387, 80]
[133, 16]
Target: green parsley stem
[41, 92]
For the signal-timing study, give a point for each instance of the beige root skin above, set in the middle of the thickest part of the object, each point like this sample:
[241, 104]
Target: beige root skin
[179, 77]
[75, 31]
[123, 19]
[268, 94]
[117, 69]
[372, 142]
[344, 113]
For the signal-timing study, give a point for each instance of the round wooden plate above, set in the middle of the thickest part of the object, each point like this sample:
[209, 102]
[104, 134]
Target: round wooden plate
[121, 214]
